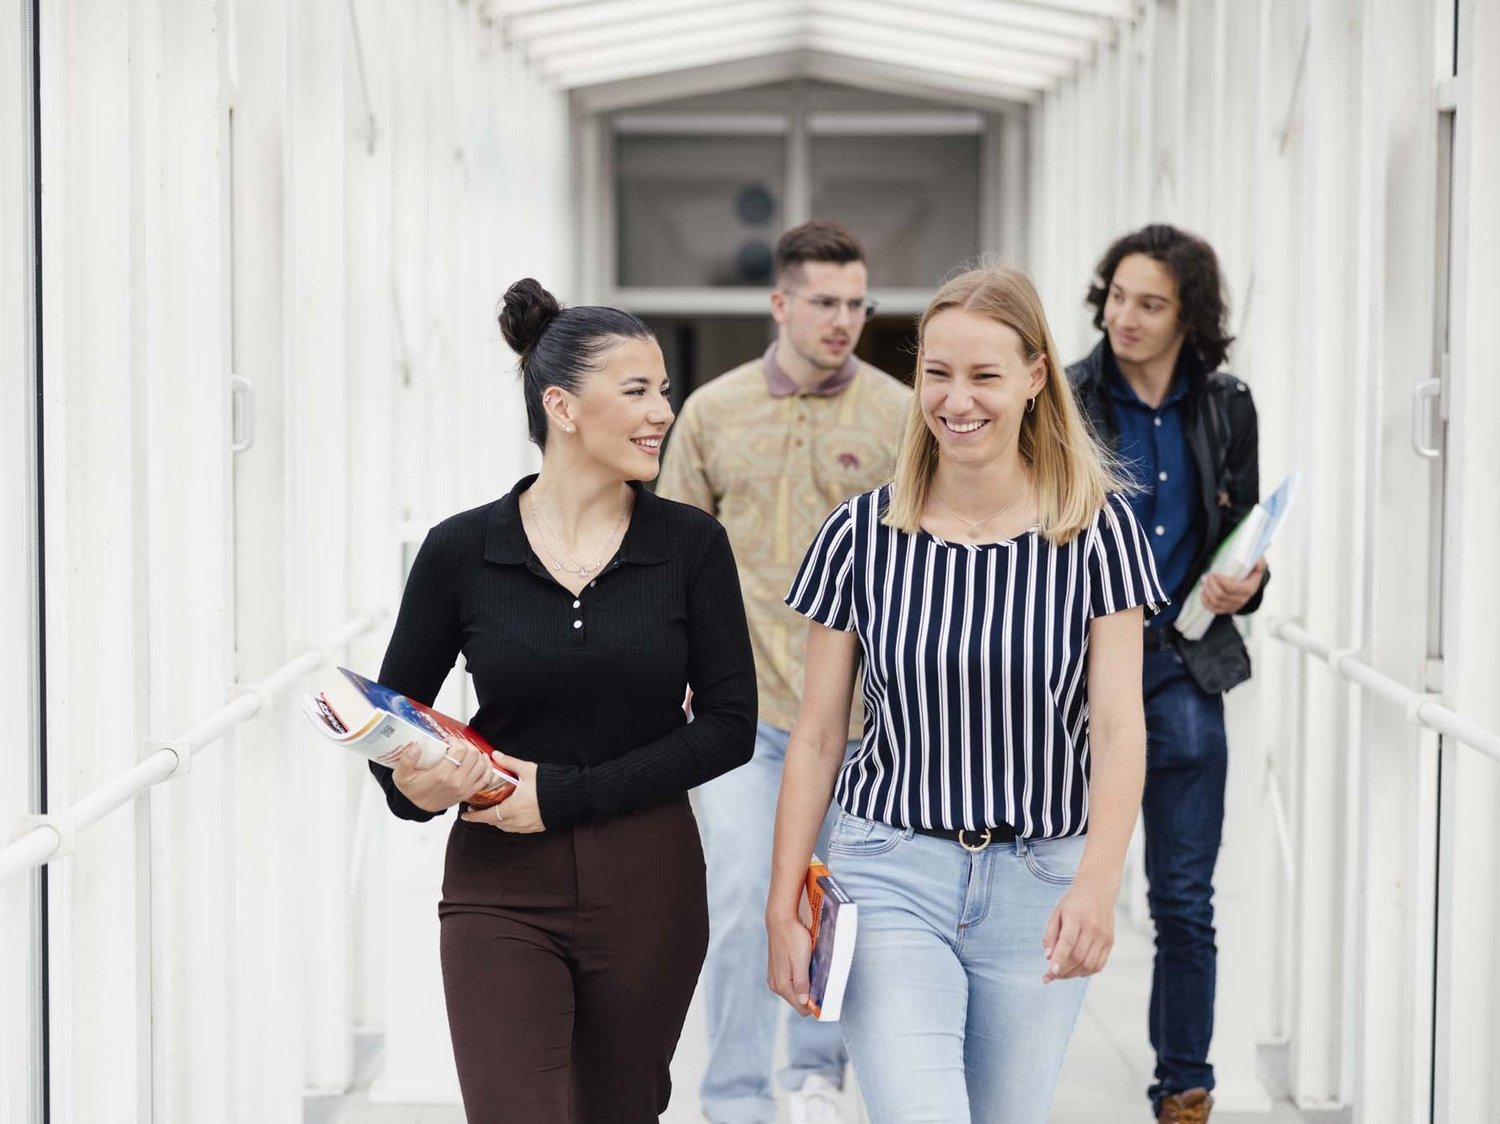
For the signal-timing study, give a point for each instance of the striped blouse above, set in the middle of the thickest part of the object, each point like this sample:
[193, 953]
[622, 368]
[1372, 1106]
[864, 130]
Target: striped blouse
[975, 663]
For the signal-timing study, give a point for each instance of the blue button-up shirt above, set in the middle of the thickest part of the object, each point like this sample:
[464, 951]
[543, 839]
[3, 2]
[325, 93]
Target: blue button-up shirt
[1154, 450]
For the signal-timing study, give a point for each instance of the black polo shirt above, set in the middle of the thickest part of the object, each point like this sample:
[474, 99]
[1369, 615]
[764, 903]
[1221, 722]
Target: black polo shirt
[589, 687]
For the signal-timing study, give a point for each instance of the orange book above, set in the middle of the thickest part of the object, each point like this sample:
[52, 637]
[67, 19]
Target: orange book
[833, 920]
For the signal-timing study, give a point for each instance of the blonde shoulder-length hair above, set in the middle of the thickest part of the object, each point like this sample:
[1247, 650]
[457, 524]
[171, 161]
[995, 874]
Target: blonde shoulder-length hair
[1072, 474]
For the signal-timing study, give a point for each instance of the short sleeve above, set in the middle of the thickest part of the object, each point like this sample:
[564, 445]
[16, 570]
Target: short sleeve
[1121, 567]
[825, 580]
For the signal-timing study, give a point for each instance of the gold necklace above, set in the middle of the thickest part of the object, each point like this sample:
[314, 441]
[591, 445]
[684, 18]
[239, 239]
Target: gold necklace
[581, 569]
[971, 525]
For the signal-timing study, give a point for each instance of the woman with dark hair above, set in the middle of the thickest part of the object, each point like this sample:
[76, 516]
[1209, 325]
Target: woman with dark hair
[574, 918]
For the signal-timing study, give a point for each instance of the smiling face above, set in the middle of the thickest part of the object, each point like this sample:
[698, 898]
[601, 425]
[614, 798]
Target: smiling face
[623, 410]
[819, 307]
[1142, 313]
[976, 382]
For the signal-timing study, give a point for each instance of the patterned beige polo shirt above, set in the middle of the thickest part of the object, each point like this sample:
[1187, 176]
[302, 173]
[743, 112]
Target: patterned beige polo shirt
[770, 461]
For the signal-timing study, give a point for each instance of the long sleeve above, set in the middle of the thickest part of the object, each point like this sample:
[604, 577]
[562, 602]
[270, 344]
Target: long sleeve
[424, 645]
[721, 673]
[1244, 457]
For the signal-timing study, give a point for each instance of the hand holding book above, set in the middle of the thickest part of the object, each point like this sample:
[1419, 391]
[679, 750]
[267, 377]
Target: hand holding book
[457, 776]
[436, 761]
[1237, 565]
[519, 814]
[1224, 595]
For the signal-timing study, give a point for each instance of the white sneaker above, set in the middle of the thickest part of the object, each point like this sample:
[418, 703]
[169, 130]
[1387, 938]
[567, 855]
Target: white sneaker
[817, 1102]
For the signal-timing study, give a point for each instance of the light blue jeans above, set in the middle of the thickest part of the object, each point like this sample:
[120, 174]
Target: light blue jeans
[946, 1016]
[736, 817]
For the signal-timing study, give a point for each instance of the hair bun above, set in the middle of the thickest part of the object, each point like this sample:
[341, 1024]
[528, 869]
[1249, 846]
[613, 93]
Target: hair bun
[528, 310]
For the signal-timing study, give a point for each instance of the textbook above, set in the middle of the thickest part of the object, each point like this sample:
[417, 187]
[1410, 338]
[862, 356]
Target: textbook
[379, 723]
[833, 919]
[1238, 553]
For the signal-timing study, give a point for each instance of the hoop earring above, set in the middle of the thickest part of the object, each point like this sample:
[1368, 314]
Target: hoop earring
[1031, 405]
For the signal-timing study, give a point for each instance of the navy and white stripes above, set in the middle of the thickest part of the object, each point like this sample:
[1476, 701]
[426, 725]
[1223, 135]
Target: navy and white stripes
[975, 658]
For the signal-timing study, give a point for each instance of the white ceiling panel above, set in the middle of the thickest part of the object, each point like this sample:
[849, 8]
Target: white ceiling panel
[1000, 51]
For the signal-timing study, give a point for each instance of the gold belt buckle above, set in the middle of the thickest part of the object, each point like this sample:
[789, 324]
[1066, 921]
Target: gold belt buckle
[974, 849]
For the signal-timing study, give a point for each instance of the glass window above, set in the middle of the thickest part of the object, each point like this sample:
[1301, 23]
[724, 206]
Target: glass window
[698, 211]
[913, 201]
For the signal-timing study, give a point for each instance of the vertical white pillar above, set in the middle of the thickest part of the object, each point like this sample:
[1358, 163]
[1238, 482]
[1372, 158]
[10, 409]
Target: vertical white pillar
[316, 506]
[20, 899]
[1469, 965]
[374, 541]
[1325, 327]
[99, 917]
[1014, 202]
[263, 819]
[184, 402]
[417, 1065]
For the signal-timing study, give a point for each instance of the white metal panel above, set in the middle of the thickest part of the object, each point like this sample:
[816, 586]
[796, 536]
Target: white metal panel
[935, 52]
[1469, 1027]
[671, 51]
[266, 969]
[981, 28]
[590, 43]
[773, 43]
[977, 76]
[913, 81]
[538, 27]
[317, 549]
[182, 393]
[99, 924]
[645, 32]
[20, 900]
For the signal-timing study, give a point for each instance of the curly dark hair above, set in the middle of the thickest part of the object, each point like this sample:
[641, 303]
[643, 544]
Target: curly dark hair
[1200, 286]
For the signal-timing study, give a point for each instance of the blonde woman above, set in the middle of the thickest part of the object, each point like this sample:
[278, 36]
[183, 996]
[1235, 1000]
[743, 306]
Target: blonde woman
[996, 591]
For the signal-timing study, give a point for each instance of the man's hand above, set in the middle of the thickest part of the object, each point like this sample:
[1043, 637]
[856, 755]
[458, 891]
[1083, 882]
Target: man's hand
[1223, 595]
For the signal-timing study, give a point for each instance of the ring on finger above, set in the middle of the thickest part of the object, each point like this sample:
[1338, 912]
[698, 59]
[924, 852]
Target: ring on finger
[497, 815]
[450, 757]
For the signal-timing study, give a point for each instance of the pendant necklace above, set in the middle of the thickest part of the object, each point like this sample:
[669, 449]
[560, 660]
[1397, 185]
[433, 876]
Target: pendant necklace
[581, 569]
[971, 526]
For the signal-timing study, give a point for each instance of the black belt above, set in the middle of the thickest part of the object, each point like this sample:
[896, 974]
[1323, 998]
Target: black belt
[1158, 638]
[972, 839]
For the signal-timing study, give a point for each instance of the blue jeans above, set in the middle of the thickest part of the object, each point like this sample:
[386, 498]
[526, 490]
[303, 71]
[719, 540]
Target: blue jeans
[946, 1016]
[1183, 814]
[736, 815]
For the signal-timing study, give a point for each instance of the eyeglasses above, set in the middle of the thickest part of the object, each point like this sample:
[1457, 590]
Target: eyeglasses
[828, 308]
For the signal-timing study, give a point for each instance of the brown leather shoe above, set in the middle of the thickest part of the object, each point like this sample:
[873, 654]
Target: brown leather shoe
[1191, 1107]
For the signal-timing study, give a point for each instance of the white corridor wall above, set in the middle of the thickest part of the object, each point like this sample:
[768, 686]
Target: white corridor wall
[1341, 156]
[324, 199]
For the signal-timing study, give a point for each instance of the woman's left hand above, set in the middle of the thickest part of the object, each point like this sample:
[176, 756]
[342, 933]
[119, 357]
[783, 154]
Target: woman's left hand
[1081, 931]
[518, 813]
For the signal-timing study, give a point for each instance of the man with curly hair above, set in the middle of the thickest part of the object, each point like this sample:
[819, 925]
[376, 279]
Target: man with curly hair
[1186, 433]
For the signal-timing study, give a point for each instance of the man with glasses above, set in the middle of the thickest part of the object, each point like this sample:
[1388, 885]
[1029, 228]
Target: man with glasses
[769, 449]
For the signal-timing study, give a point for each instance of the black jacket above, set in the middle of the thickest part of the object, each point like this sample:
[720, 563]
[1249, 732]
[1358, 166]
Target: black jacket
[1224, 439]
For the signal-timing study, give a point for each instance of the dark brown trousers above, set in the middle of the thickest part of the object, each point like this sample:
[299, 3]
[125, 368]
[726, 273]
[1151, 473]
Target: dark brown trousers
[569, 960]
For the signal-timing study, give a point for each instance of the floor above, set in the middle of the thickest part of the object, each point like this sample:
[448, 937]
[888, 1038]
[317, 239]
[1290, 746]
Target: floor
[1103, 1080]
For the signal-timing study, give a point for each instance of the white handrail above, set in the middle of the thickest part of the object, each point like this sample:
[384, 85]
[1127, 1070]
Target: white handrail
[1419, 707]
[52, 836]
